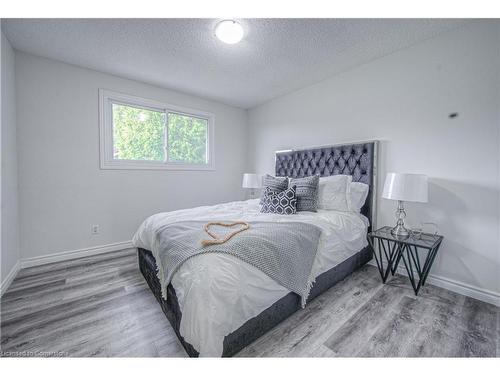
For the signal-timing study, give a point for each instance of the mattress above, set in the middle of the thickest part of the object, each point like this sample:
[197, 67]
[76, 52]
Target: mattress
[218, 293]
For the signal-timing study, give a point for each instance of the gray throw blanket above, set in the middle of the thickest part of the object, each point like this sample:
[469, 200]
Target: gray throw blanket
[283, 251]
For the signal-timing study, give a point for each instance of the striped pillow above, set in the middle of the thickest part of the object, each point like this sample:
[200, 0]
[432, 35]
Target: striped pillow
[275, 185]
[307, 192]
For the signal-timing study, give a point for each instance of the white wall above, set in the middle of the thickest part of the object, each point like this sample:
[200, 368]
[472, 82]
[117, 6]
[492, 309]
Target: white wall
[9, 217]
[62, 190]
[404, 100]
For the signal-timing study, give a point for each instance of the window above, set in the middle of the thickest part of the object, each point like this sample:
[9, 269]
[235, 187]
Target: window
[138, 133]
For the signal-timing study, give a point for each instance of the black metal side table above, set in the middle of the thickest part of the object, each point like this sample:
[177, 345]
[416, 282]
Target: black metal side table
[418, 254]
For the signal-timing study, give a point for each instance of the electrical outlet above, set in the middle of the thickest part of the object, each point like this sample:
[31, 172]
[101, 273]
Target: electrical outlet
[94, 229]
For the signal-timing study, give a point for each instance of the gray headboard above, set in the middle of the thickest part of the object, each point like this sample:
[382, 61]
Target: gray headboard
[356, 159]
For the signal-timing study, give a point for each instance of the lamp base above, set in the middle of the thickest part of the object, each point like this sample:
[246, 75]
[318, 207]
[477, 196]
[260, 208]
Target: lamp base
[399, 231]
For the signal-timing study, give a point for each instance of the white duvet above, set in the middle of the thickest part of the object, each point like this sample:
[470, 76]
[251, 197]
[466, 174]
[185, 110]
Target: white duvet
[218, 293]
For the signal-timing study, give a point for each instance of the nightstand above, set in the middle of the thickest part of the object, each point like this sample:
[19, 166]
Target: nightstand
[418, 254]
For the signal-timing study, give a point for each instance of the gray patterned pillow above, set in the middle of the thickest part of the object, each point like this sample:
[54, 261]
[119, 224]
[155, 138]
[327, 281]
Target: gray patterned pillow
[283, 203]
[307, 192]
[275, 184]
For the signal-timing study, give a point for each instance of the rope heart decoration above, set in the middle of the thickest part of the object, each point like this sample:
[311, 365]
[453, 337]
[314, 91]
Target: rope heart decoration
[216, 240]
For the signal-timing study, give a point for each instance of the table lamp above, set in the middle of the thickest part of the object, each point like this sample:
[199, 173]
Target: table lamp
[404, 187]
[252, 181]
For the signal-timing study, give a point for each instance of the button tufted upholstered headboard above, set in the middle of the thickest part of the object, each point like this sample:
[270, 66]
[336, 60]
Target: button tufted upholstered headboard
[356, 159]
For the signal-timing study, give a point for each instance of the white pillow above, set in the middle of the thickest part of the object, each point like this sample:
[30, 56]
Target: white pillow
[334, 192]
[358, 194]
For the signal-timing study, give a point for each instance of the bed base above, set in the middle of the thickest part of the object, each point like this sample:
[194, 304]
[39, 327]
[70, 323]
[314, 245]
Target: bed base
[262, 323]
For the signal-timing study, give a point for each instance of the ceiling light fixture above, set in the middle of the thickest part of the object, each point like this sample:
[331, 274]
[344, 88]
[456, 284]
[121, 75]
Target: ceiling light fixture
[229, 31]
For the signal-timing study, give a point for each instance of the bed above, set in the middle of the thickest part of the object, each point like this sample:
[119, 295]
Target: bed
[217, 305]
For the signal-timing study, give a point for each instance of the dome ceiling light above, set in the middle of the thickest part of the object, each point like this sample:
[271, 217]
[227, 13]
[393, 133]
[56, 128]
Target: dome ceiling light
[229, 31]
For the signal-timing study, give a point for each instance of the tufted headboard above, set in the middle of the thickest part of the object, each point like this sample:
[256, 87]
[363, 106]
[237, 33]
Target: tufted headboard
[356, 159]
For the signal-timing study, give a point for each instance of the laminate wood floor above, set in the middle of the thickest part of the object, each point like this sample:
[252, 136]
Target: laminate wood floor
[101, 306]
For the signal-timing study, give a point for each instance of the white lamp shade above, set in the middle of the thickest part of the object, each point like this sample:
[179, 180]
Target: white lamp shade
[252, 181]
[405, 187]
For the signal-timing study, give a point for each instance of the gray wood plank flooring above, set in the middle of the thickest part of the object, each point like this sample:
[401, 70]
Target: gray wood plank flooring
[101, 306]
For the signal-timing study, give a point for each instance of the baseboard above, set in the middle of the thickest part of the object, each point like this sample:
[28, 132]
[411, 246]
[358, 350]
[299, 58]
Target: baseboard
[480, 294]
[10, 277]
[465, 289]
[75, 254]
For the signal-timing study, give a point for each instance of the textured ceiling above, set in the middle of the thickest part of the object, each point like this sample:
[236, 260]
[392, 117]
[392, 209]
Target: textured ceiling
[276, 56]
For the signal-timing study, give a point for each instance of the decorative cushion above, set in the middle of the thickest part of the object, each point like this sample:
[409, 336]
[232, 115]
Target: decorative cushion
[334, 192]
[307, 192]
[275, 184]
[283, 203]
[358, 194]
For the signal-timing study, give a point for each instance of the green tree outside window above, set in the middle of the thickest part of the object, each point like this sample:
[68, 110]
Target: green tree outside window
[139, 134]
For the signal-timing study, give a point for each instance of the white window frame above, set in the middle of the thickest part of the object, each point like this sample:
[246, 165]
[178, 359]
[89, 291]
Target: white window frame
[108, 97]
